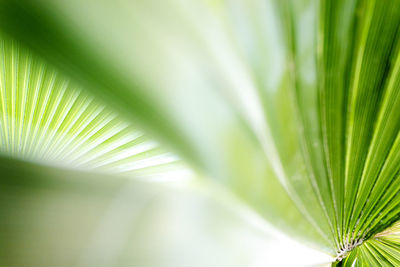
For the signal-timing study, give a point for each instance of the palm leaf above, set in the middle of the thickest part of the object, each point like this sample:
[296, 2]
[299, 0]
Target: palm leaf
[292, 106]
[46, 118]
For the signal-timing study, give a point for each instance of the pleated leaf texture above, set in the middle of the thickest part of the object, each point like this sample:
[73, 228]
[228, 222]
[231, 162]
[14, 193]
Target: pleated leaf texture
[292, 107]
[45, 118]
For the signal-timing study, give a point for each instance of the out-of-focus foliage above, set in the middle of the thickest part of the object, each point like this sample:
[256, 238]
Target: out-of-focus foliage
[291, 106]
[59, 217]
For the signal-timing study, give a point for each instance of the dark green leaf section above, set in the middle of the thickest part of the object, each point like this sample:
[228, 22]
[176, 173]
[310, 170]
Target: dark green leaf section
[335, 39]
[346, 92]
[348, 111]
[372, 71]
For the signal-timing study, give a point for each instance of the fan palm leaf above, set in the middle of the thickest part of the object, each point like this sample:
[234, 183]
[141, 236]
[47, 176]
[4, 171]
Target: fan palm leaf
[291, 107]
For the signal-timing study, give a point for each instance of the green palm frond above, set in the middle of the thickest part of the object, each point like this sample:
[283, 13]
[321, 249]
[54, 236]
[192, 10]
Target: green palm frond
[382, 249]
[48, 119]
[292, 106]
